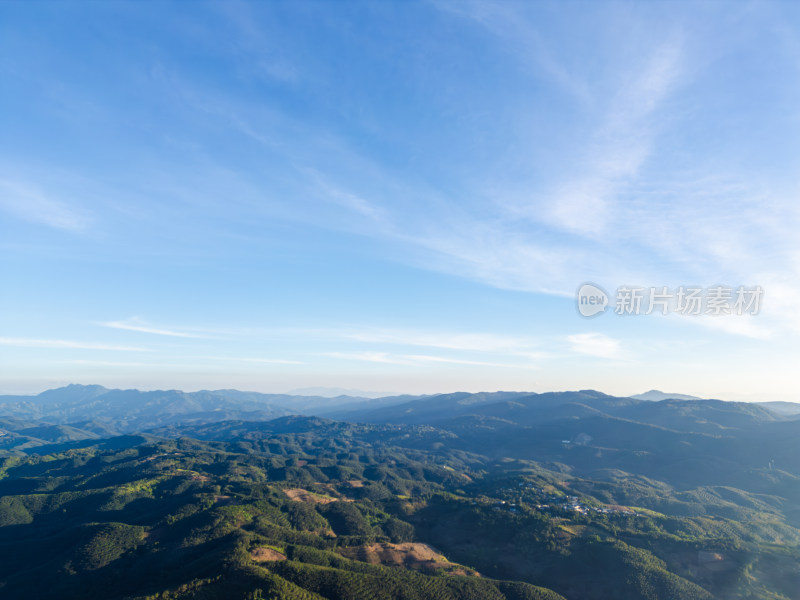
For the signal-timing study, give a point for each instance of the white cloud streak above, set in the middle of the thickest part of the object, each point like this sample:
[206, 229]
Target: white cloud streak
[66, 344]
[265, 361]
[450, 341]
[595, 344]
[376, 357]
[135, 325]
[420, 359]
[30, 204]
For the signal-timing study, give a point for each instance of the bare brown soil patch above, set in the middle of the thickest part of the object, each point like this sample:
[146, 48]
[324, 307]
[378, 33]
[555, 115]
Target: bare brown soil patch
[301, 495]
[263, 554]
[412, 555]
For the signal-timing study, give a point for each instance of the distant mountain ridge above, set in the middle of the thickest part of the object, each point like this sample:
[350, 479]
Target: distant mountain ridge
[657, 395]
[782, 408]
[76, 412]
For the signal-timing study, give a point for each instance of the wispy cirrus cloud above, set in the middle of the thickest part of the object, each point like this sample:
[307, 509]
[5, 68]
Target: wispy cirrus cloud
[737, 325]
[29, 203]
[141, 327]
[345, 199]
[250, 359]
[451, 341]
[420, 359]
[445, 339]
[112, 363]
[623, 105]
[609, 158]
[522, 38]
[617, 214]
[537, 237]
[426, 358]
[376, 357]
[66, 344]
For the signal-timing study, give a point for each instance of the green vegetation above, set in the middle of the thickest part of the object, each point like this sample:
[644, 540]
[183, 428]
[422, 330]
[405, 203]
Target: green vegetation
[310, 508]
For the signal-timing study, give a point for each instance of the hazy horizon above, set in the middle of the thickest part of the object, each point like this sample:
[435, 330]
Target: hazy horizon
[330, 392]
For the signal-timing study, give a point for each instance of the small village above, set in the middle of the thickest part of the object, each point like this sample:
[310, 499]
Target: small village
[540, 499]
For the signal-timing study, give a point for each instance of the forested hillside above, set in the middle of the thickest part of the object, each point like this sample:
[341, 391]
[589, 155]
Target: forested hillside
[475, 507]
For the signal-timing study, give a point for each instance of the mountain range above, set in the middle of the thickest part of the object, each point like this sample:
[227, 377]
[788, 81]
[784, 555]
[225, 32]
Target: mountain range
[145, 495]
[76, 412]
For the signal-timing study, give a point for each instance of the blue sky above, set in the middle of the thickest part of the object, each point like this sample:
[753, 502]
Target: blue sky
[396, 196]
